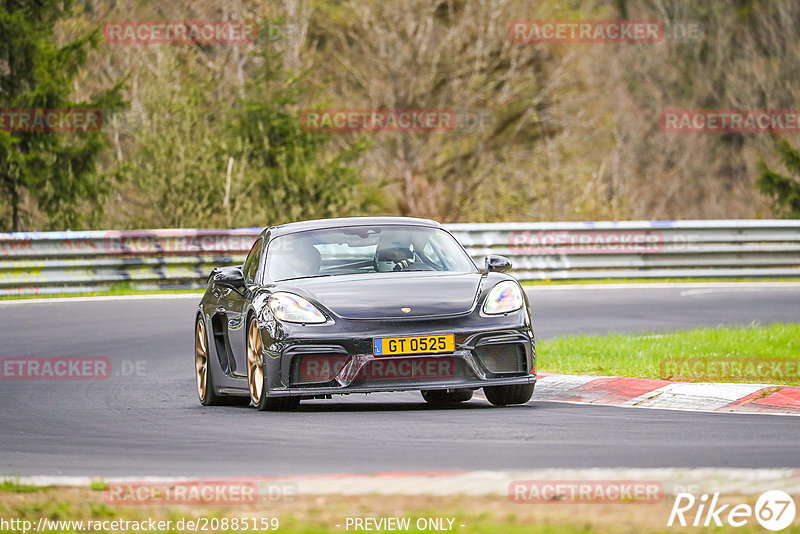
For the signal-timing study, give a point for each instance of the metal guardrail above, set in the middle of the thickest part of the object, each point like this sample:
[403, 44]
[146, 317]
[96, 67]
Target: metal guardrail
[640, 249]
[65, 262]
[61, 262]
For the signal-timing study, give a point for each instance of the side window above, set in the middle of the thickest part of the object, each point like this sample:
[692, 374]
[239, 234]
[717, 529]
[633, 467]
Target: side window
[250, 267]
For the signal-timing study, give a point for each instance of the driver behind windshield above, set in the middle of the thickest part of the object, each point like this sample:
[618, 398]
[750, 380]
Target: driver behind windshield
[393, 254]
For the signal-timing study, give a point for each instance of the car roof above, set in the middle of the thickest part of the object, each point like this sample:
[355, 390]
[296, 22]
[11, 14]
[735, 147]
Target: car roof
[340, 222]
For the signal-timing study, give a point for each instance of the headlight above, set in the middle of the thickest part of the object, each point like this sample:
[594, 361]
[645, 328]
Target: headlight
[503, 298]
[294, 309]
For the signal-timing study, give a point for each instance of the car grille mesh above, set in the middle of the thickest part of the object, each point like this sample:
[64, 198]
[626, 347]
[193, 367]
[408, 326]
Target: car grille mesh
[502, 357]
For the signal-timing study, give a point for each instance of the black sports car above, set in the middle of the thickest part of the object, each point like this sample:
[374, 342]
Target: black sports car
[362, 305]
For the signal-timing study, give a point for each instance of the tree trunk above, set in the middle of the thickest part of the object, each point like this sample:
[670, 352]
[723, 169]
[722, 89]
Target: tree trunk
[14, 207]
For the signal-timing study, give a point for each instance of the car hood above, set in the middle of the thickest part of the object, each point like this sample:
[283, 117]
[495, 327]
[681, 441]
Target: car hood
[382, 296]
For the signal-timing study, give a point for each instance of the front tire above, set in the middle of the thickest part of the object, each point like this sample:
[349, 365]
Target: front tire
[440, 397]
[505, 395]
[203, 374]
[255, 374]
[202, 367]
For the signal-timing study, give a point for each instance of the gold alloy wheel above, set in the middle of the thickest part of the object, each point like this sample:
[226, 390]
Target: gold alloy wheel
[255, 352]
[200, 358]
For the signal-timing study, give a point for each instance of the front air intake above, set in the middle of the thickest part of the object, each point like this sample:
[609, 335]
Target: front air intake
[502, 358]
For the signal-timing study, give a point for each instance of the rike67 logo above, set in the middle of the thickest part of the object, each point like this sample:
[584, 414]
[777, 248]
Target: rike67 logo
[774, 510]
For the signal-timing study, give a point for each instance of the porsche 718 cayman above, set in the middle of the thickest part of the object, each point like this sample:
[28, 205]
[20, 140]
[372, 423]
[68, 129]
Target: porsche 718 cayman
[362, 305]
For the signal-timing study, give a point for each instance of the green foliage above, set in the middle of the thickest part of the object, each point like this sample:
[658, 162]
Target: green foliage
[783, 190]
[213, 136]
[175, 175]
[295, 177]
[293, 173]
[98, 485]
[15, 487]
[54, 171]
[206, 152]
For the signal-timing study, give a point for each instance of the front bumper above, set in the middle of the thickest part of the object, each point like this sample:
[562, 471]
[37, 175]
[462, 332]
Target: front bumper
[314, 361]
[310, 392]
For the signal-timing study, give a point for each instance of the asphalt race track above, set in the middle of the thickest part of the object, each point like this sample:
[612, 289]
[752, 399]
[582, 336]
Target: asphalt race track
[145, 419]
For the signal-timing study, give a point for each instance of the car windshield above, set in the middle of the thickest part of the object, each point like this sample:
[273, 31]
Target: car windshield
[365, 249]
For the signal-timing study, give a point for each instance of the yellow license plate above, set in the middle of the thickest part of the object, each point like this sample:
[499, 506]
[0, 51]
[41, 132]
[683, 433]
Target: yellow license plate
[386, 346]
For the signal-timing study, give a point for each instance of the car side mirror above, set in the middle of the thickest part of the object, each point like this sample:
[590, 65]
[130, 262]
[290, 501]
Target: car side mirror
[231, 277]
[497, 264]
